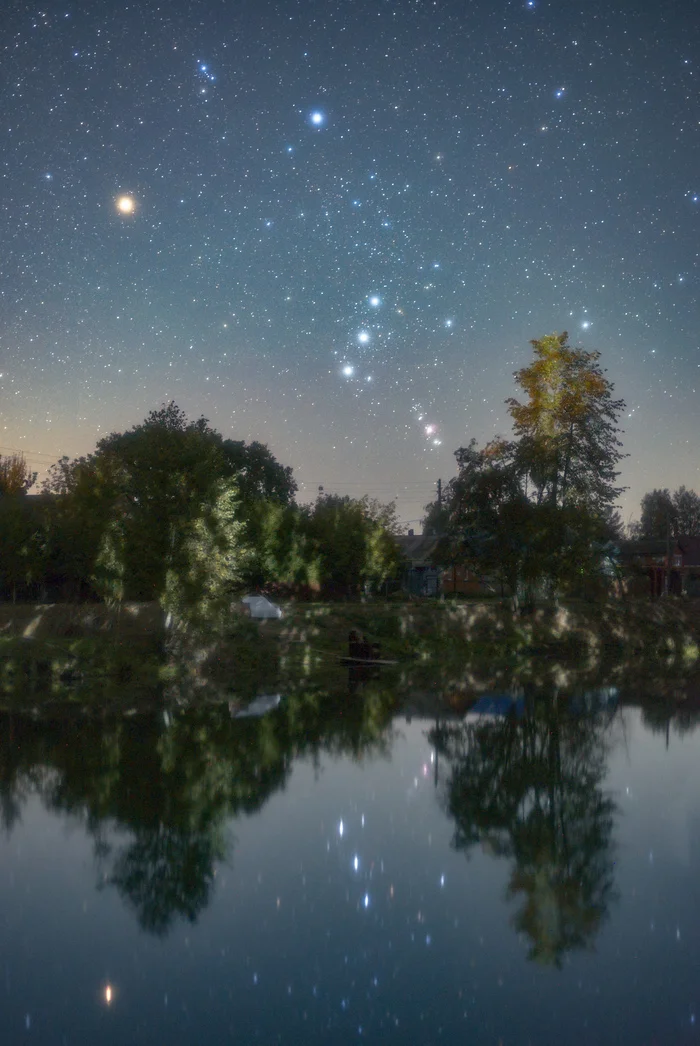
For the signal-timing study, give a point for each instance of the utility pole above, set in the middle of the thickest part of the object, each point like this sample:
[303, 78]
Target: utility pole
[440, 590]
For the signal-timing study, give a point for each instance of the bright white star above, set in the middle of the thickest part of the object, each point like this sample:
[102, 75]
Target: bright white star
[317, 118]
[363, 337]
[348, 371]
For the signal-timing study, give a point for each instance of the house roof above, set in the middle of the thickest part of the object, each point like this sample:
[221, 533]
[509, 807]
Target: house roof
[691, 550]
[688, 546]
[645, 547]
[419, 549]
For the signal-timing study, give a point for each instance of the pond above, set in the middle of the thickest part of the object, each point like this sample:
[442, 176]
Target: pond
[335, 870]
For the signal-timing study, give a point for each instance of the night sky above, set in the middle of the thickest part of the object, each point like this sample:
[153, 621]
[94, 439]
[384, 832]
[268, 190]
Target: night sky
[334, 226]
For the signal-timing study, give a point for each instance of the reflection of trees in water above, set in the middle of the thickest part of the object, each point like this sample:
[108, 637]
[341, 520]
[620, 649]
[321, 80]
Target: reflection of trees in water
[156, 791]
[530, 790]
[666, 715]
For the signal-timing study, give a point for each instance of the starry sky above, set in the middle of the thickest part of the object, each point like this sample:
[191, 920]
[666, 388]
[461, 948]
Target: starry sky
[334, 225]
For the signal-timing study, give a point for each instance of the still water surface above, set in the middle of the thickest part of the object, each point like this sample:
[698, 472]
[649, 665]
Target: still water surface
[334, 872]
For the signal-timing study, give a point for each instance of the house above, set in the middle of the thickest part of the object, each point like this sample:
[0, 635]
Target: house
[424, 577]
[421, 575]
[657, 558]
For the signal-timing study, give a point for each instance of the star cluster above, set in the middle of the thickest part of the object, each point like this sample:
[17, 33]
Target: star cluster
[334, 226]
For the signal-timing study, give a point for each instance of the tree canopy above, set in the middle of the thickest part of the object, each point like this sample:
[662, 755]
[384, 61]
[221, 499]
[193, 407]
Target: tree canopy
[663, 513]
[161, 510]
[539, 508]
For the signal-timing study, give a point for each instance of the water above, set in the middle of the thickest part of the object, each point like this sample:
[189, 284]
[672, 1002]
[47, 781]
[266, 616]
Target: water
[335, 872]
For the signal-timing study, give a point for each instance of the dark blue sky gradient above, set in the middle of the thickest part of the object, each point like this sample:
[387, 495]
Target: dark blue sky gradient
[355, 286]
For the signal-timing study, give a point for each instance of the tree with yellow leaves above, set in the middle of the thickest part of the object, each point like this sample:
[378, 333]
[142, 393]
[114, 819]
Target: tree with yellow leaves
[567, 448]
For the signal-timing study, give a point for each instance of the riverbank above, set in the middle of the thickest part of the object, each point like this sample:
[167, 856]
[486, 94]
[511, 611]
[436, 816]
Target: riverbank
[57, 647]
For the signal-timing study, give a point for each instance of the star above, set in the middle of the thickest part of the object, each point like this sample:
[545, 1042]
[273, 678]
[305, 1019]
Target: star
[126, 204]
[363, 337]
[317, 118]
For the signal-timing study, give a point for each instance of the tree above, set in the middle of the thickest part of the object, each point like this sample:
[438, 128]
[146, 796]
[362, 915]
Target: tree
[489, 517]
[686, 504]
[531, 790]
[351, 544]
[258, 473]
[664, 513]
[21, 551]
[15, 475]
[162, 511]
[658, 513]
[207, 560]
[567, 448]
[536, 511]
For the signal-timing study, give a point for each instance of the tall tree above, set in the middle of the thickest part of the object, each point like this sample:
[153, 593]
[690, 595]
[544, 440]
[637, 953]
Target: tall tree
[658, 514]
[536, 511]
[687, 512]
[567, 448]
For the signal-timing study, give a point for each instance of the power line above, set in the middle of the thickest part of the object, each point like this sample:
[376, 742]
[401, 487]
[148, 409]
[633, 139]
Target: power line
[29, 453]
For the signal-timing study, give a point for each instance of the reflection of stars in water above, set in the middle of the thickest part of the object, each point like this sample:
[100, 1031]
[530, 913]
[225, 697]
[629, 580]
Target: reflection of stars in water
[356, 862]
[341, 828]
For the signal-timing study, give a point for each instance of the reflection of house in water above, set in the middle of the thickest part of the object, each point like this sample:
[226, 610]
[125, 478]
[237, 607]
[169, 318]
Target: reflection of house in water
[654, 558]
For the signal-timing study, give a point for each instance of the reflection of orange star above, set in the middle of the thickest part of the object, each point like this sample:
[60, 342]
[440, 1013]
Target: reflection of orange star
[126, 205]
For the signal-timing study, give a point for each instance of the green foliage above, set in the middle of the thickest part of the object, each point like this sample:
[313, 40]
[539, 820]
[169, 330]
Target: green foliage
[205, 561]
[352, 544]
[163, 511]
[21, 548]
[279, 546]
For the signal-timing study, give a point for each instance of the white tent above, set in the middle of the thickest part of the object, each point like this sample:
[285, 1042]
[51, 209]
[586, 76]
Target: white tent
[261, 607]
